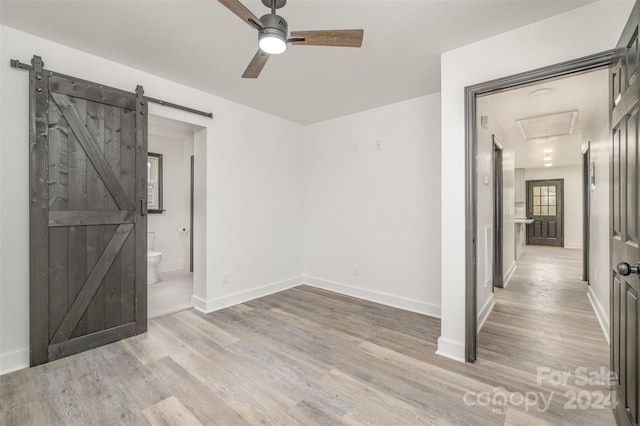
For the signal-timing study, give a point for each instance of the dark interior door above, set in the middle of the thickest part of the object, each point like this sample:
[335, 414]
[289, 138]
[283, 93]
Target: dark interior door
[88, 149]
[625, 284]
[544, 206]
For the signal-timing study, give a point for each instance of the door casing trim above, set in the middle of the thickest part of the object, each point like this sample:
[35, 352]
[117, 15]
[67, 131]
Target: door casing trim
[471, 93]
[586, 210]
[498, 205]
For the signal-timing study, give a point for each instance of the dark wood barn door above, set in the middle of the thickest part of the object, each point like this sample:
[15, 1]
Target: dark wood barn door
[625, 234]
[88, 150]
[544, 206]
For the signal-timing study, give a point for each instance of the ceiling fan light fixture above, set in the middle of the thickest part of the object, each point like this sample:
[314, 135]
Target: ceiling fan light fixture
[273, 32]
[272, 39]
[273, 44]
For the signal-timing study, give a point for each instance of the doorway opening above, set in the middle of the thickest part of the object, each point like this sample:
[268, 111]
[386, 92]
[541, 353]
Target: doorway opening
[541, 145]
[170, 242]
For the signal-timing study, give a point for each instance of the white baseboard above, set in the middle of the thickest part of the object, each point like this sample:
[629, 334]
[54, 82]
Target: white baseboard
[375, 296]
[14, 361]
[485, 312]
[212, 305]
[597, 308]
[163, 268]
[450, 349]
[572, 245]
[509, 274]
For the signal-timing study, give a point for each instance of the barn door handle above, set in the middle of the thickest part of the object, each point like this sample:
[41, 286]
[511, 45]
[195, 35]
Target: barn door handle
[625, 269]
[143, 207]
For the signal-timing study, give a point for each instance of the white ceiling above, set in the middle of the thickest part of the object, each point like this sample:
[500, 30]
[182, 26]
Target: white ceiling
[585, 93]
[203, 45]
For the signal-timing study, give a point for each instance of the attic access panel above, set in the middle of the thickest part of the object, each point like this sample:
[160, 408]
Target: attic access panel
[548, 125]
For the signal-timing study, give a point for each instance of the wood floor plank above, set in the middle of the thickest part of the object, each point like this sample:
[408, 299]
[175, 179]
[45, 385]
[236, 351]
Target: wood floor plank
[145, 348]
[170, 412]
[143, 388]
[307, 412]
[16, 393]
[206, 328]
[252, 393]
[373, 405]
[199, 399]
[240, 308]
[307, 356]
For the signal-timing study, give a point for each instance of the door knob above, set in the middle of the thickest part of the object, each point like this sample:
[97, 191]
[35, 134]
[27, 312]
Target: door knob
[625, 269]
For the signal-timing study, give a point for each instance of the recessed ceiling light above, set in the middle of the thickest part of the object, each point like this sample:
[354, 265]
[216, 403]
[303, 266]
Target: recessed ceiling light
[548, 150]
[543, 91]
[547, 158]
[548, 165]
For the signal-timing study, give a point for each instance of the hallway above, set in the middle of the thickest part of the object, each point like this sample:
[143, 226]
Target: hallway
[545, 309]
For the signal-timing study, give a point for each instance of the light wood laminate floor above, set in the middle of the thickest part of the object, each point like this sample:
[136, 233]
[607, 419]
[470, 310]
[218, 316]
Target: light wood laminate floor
[309, 356]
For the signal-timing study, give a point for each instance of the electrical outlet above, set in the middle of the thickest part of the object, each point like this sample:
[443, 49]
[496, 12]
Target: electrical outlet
[379, 145]
[356, 270]
[225, 278]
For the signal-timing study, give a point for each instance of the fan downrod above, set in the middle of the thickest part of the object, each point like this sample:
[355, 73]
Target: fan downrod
[279, 3]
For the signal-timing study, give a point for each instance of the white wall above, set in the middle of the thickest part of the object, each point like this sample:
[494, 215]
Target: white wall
[484, 295]
[508, 214]
[200, 228]
[581, 32]
[599, 135]
[375, 213]
[250, 201]
[176, 160]
[572, 176]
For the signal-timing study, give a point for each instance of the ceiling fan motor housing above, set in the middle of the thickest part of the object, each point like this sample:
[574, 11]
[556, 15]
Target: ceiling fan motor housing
[274, 24]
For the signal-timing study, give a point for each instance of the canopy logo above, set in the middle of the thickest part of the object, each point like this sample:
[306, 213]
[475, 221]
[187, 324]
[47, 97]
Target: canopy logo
[499, 398]
[602, 397]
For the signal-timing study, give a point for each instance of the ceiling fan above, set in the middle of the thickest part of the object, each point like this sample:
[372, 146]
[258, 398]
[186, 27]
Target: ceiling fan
[272, 34]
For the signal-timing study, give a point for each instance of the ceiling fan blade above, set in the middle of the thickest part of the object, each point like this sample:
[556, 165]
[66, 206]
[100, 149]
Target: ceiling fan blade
[341, 38]
[256, 65]
[245, 14]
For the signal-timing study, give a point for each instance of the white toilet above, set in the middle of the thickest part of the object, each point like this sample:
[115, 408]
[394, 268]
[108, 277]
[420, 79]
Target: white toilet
[153, 258]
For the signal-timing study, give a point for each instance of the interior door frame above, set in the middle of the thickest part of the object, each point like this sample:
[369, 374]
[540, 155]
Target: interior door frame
[586, 210]
[498, 208]
[192, 182]
[557, 71]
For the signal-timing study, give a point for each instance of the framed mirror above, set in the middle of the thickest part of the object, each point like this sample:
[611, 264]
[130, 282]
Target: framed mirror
[154, 183]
